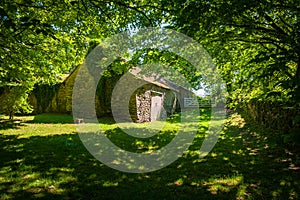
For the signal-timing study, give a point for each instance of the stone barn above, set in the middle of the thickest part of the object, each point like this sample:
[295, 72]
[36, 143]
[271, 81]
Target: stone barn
[154, 101]
[149, 102]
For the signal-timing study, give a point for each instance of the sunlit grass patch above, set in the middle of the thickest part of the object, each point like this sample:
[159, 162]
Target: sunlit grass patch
[223, 184]
[48, 161]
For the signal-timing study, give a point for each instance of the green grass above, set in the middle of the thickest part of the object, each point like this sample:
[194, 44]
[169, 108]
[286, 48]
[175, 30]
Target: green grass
[43, 157]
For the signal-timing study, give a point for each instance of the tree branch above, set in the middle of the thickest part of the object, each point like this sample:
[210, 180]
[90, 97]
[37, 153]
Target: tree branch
[103, 11]
[284, 22]
[274, 25]
[31, 6]
[277, 5]
[157, 8]
[135, 9]
[253, 27]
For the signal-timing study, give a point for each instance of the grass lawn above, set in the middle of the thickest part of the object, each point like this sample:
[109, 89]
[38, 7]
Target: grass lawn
[43, 157]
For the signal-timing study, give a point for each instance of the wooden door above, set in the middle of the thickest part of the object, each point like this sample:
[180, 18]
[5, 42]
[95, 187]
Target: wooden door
[156, 107]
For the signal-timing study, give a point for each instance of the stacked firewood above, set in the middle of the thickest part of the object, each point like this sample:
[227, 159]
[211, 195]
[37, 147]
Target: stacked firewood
[143, 102]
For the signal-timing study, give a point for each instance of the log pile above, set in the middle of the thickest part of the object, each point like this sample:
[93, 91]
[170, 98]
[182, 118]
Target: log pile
[143, 104]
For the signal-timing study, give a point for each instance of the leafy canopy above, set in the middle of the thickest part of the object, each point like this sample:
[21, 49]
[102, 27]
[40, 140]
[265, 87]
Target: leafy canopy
[255, 44]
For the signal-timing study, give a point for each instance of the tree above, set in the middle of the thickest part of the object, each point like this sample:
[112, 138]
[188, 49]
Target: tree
[27, 48]
[15, 101]
[253, 42]
[41, 40]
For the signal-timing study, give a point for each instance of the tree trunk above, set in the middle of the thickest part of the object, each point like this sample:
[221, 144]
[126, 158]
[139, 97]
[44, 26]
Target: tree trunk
[297, 83]
[11, 114]
[174, 104]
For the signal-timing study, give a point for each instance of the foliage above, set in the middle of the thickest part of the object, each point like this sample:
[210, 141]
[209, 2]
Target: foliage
[40, 41]
[44, 39]
[42, 95]
[255, 44]
[15, 101]
[164, 64]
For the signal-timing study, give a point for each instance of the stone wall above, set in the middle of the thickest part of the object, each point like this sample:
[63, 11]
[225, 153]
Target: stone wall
[273, 115]
[58, 98]
[139, 103]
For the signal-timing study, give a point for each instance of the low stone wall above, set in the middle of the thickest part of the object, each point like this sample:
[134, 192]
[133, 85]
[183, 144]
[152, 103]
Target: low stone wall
[272, 115]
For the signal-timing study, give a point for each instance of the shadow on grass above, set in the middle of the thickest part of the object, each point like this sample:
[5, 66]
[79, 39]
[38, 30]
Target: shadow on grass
[10, 124]
[52, 119]
[243, 165]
